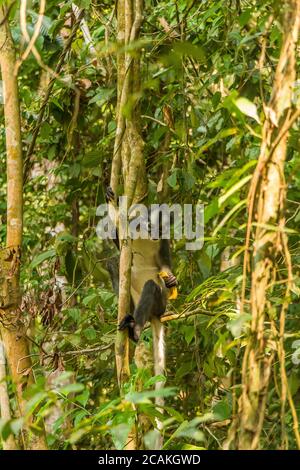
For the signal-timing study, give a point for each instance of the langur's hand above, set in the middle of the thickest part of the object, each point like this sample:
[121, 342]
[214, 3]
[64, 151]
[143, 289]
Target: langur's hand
[109, 194]
[170, 281]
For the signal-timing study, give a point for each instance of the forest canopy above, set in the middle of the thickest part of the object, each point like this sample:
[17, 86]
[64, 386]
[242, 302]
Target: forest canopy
[176, 102]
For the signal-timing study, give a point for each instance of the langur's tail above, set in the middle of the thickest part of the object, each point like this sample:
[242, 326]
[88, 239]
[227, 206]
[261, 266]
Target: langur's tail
[159, 368]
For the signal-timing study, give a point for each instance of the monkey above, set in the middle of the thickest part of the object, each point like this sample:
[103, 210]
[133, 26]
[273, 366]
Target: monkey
[152, 284]
[151, 281]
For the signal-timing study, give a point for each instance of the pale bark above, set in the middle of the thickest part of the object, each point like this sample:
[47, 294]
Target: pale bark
[266, 206]
[13, 330]
[128, 164]
[5, 414]
[117, 158]
[127, 160]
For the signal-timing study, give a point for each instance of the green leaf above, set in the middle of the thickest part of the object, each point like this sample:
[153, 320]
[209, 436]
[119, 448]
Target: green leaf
[222, 410]
[216, 99]
[294, 382]
[189, 333]
[204, 263]
[102, 96]
[71, 388]
[237, 325]
[144, 397]
[66, 237]
[221, 135]
[174, 413]
[248, 108]
[191, 447]
[192, 50]
[189, 430]
[79, 416]
[172, 179]
[35, 401]
[154, 380]
[16, 425]
[91, 299]
[245, 17]
[211, 210]
[5, 429]
[234, 189]
[39, 259]
[92, 159]
[120, 433]
[90, 333]
[74, 313]
[83, 398]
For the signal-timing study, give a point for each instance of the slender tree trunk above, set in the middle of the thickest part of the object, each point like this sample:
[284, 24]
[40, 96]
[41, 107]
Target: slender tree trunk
[122, 342]
[266, 207]
[128, 162]
[13, 330]
[117, 157]
[127, 159]
[9, 443]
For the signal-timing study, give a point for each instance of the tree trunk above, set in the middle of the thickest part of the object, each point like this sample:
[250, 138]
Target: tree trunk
[13, 329]
[9, 443]
[127, 159]
[128, 162]
[266, 206]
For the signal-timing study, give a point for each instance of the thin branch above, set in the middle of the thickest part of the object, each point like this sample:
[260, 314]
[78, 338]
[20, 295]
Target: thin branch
[169, 316]
[36, 32]
[80, 352]
[7, 13]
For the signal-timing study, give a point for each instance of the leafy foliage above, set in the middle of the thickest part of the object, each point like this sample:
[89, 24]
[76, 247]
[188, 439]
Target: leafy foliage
[199, 65]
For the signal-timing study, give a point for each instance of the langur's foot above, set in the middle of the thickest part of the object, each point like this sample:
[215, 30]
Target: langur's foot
[127, 322]
[134, 331]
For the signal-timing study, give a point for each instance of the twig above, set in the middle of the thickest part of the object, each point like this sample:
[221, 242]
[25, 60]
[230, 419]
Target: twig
[7, 12]
[168, 316]
[86, 351]
[161, 123]
[262, 57]
[31, 46]
[285, 128]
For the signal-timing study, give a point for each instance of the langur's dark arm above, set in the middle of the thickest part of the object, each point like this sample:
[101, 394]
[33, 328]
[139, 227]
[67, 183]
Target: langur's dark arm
[165, 263]
[165, 255]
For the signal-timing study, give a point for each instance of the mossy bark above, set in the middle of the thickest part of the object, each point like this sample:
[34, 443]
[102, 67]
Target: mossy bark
[266, 226]
[13, 330]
